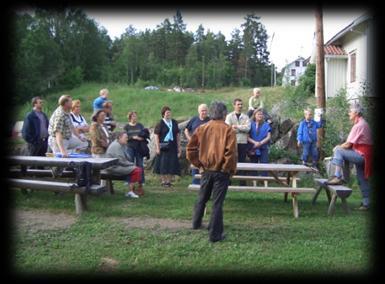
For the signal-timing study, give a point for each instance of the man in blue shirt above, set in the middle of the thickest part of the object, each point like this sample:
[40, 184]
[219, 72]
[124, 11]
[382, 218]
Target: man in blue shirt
[307, 137]
[98, 102]
[193, 124]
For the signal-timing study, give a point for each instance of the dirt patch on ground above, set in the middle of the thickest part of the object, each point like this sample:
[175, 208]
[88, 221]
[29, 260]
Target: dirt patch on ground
[108, 264]
[154, 223]
[38, 220]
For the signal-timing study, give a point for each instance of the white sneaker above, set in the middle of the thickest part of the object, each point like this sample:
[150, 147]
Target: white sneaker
[131, 195]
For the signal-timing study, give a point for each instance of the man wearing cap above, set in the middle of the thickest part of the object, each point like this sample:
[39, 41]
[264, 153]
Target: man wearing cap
[358, 150]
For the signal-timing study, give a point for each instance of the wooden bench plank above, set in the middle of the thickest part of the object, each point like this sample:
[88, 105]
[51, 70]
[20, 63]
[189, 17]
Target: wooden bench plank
[97, 163]
[340, 191]
[262, 178]
[46, 185]
[262, 189]
[38, 173]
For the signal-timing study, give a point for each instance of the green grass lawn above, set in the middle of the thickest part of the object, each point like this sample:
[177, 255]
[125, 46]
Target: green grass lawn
[149, 103]
[263, 237]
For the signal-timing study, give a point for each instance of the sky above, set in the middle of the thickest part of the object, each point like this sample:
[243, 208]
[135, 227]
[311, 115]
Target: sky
[291, 32]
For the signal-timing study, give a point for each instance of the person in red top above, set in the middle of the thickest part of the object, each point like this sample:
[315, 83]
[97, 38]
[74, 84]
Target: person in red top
[358, 150]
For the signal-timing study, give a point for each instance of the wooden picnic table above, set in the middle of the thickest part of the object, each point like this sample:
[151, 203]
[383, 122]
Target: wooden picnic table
[285, 175]
[41, 183]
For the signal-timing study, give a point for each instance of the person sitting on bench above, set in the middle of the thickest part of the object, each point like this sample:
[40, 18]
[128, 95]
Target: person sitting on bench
[358, 150]
[117, 149]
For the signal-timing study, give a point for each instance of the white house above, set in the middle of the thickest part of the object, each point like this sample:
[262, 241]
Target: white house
[348, 62]
[293, 71]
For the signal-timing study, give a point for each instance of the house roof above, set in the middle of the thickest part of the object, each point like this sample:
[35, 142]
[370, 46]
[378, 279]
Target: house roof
[349, 28]
[300, 58]
[334, 50]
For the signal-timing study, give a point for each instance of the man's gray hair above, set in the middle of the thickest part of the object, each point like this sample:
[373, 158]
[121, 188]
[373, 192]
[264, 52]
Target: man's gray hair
[218, 110]
[357, 108]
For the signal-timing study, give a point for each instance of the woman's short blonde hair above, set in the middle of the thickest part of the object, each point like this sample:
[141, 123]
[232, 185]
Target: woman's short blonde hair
[75, 103]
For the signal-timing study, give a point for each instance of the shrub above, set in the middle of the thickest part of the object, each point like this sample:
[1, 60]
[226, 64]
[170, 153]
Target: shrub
[337, 122]
[307, 81]
[72, 78]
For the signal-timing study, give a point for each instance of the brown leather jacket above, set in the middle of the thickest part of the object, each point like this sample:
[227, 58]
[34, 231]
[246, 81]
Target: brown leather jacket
[99, 139]
[213, 147]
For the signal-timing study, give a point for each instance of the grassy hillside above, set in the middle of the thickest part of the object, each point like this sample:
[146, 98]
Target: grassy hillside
[149, 103]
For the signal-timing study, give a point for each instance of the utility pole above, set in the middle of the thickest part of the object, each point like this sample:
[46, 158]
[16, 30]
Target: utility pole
[320, 75]
[272, 65]
[203, 72]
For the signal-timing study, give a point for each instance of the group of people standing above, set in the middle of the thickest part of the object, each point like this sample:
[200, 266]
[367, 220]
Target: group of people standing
[215, 147]
[217, 140]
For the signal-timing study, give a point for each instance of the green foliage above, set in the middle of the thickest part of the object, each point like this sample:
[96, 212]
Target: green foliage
[369, 104]
[57, 50]
[307, 80]
[337, 122]
[296, 100]
[73, 78]
[276, 153]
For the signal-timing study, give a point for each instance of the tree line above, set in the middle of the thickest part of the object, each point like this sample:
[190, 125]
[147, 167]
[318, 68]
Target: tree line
[59, 49]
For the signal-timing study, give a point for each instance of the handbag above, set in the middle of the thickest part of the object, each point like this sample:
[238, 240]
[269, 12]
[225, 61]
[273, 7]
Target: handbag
[164, 146]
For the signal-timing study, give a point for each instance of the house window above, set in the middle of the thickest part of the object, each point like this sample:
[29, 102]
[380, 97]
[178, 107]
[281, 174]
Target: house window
[292, 82]
[352, 67]
[297, 63]
[292, 72]
[304, 63]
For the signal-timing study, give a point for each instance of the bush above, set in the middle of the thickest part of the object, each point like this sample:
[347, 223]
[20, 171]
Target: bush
[337, 122]
[307, 81]
[295, 102]
[72, 78]
[276, 153]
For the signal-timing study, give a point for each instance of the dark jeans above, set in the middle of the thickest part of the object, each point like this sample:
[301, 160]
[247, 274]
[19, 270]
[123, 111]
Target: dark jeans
[217, 184]
[263, 158]
[242, 153]
[137, 158]
[39, 148]
[310, 148]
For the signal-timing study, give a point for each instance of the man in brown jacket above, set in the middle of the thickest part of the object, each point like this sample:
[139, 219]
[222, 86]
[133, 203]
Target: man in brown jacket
[213, 149]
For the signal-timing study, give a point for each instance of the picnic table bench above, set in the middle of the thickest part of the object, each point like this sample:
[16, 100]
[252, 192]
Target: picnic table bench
[45, 181]
[47, 174]
[340, 191]
[287, 183]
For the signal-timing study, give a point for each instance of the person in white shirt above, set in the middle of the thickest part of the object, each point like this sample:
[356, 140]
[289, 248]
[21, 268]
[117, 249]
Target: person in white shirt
[80, 125]
[241, 125]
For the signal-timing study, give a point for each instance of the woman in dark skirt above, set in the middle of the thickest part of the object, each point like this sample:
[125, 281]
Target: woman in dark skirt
[167, 145]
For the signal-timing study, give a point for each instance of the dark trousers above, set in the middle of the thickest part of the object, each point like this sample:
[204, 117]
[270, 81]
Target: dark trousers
[262, 158]
[242, 152]
[39, 148]
[217, 184]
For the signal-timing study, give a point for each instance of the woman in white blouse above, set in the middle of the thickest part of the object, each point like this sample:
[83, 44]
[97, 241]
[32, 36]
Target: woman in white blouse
[80, 125]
